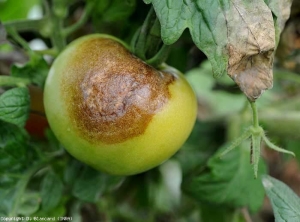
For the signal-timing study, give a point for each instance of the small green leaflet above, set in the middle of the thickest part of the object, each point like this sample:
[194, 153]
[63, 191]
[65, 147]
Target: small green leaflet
[285, 203]
[227, 182]
[89, 185]
[205, 21]
[35, 70]
[13, 148]
[51, 191]
[14, 106]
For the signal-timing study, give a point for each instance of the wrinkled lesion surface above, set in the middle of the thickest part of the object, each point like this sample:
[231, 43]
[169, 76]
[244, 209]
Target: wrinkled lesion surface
[111, 96]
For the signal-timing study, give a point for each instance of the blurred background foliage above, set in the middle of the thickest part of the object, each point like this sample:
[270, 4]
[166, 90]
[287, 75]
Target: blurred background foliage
[38, 178]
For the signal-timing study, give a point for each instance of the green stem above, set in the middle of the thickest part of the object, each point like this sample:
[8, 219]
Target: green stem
[13, 81]
[52, 52]
[255, 152]
[134, 39]
[21, 186]
[26, 25]
[255, 114]
[15, 35]
[139, 49]
[237, 142]
[57, 38]
[274, 147]
[81, 21]
[160, 57]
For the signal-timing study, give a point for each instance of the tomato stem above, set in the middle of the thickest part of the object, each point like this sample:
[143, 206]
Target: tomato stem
[25, 25]
[255, 152]
[274, 147]
[13, 81]
[247, 133]
[254, 114]
[15, 35]
[84, 17]
[140, 47]
[160, 57]
[22, 184]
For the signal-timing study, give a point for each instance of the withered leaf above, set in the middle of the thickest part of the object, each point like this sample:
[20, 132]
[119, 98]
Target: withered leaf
[281, 11]
[238, 36]
[251, 45]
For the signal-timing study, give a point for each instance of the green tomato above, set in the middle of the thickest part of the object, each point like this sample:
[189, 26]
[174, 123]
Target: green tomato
[114, 112]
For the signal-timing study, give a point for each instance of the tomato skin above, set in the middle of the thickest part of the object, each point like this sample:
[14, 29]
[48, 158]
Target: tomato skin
[138, 118]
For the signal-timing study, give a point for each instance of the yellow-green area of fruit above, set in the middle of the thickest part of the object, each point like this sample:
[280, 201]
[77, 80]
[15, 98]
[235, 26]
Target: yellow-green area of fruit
[165, 134]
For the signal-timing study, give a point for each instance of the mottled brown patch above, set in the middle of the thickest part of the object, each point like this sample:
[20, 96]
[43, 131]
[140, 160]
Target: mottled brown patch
[110, 94]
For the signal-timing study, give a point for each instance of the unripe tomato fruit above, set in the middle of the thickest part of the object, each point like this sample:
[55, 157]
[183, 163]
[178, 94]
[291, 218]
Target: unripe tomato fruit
[114, 112]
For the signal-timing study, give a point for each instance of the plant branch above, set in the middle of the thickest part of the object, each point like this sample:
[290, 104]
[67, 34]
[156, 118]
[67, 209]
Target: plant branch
[21, 187]
[255, 114]
[140, 47]
[83, 19]
[26, 25]
[13, 81]
[274, 147]
[15, 35]
[22, 184]
[237, 142]
[160, 57]
[52, 52]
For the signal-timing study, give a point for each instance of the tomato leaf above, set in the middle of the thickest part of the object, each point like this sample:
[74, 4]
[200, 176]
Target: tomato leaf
[211, 213]
[205, 21]
[115, 10]
[13, 150]
[197, 150]
[14, 106]
[281, 11]
[51, 191]
[7, 198]
[29, 204]
[36, 71]
[88, 185]
[237, 36]
[228, 181]
[285, 203]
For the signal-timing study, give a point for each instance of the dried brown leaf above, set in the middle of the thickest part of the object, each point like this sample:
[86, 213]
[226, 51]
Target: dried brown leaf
[251, 44]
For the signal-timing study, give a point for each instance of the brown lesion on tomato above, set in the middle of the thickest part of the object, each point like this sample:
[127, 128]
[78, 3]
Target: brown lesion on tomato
[112, 96]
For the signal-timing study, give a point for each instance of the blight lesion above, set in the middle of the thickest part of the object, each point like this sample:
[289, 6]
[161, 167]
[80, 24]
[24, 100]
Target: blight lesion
[115, 97]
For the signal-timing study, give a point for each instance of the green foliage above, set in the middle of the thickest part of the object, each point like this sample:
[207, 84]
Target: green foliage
[36, 71]
[16, 9]
[39, 179]
[13, 148]
[209, 22]
[228, 181]
[115, 10]
[51, 191]
[285, 203]
[14, 106]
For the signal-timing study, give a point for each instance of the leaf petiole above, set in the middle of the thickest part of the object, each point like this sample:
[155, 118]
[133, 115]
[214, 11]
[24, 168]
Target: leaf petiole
[274, 147]
[14, 81]
[247, 133]
[84, 17]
